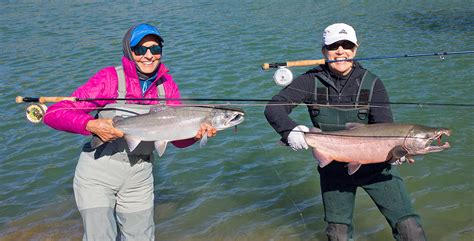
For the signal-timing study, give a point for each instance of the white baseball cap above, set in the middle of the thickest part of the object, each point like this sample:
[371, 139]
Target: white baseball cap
[337, 32]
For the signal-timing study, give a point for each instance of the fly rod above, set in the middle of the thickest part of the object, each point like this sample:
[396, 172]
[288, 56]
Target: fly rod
[51, 99]
[48, 99]
[302, 63]
[36, 111]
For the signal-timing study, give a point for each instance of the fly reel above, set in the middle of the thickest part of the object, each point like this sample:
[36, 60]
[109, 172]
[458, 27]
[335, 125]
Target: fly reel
[36, 112]
[283, 76]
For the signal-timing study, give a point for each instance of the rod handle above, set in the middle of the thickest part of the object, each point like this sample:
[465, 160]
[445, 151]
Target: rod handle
[301, 63]
[298, 63]
[43, 99]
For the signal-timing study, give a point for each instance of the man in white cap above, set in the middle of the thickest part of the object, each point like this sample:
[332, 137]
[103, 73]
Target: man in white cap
[343, 83]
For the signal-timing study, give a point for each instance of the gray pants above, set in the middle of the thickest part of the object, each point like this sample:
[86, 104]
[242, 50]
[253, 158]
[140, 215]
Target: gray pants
[114, 197]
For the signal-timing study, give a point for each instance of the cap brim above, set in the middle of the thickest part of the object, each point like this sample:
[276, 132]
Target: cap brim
[141, 35]
[342, 39]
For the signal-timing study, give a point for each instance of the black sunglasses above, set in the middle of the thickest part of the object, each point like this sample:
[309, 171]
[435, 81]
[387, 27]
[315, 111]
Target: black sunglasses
[344, 44]
[141, 50]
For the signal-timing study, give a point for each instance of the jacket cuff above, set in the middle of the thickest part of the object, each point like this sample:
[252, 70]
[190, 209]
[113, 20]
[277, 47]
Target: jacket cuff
[83, 125]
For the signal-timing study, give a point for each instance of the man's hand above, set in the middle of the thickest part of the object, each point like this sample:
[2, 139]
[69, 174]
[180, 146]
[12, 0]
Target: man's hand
[205, 128]
[104, 129]
[296, 138]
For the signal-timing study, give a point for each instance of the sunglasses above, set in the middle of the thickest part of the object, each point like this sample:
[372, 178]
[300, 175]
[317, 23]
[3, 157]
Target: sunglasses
[344, 44]
[141, 50]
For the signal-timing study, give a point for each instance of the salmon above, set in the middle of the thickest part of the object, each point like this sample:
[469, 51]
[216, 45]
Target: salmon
[361, 144]
[164, 124]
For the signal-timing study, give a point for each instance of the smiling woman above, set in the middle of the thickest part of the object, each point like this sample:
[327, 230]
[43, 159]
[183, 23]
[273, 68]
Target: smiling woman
[339, 43]
[113, 184]
[334, 83]
[147, 54]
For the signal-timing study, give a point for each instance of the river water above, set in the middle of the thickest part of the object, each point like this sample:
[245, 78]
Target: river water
[242, 185]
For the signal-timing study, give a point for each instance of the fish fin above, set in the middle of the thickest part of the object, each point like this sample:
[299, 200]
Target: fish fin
[322, 159]
[203, 141]
[352, 167]
[96, 142]
[132, 142]
[396, 153]
[160, 147]
[353, 125]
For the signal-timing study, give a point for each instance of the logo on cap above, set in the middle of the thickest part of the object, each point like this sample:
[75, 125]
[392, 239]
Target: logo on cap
[343, 31]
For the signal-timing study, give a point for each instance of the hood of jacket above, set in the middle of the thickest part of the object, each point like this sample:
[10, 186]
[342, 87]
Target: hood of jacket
[127, 52]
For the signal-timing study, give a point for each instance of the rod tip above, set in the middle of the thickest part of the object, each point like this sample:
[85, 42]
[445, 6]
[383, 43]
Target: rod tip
[265, 66]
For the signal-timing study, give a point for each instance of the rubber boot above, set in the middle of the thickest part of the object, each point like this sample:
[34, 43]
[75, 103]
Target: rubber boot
[337, 232]
[410, 230]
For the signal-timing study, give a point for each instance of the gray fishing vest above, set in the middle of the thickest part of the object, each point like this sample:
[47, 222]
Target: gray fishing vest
[331, 118]
[118, 149]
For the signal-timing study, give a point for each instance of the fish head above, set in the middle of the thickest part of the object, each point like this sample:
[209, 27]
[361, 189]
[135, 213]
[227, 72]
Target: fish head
[222, 118]
[422, 140]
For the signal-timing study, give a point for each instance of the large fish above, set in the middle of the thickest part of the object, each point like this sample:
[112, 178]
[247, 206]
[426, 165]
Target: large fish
[164, 124]
[364, 144]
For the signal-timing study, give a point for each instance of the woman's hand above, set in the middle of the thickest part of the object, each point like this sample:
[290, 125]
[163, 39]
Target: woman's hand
[104, 129]
[211, 131]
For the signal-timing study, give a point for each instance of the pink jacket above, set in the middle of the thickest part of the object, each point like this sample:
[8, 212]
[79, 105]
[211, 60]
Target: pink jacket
[73, 116]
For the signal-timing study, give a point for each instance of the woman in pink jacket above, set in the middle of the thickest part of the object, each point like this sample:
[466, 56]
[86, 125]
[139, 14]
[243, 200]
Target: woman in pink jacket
[113, 187]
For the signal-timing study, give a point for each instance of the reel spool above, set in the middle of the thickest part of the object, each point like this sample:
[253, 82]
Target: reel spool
[283, 76]
[35, 112]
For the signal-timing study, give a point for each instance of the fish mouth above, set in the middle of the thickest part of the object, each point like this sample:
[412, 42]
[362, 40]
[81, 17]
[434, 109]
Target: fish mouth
[435, 143]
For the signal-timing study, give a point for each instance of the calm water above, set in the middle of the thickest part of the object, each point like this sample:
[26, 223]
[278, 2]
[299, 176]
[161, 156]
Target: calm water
[242, 185]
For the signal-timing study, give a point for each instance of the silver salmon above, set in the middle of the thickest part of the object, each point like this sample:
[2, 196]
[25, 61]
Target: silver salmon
[164, 124]
[364, 144]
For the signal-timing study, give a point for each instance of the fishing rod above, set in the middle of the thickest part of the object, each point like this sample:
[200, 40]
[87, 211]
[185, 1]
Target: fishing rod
[36, 111]
[302, 63]
[283, 76]
[50, 99]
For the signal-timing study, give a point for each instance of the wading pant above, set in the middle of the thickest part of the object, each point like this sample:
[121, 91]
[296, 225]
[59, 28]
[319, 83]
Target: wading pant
[383, 184]
[114, 196]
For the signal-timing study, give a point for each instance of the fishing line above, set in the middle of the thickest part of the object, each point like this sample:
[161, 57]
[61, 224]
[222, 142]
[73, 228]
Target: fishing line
[284, 188]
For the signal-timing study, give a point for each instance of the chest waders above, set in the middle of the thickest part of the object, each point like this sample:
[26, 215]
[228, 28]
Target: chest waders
[113, 187]
[338, 190]
[330, 118]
